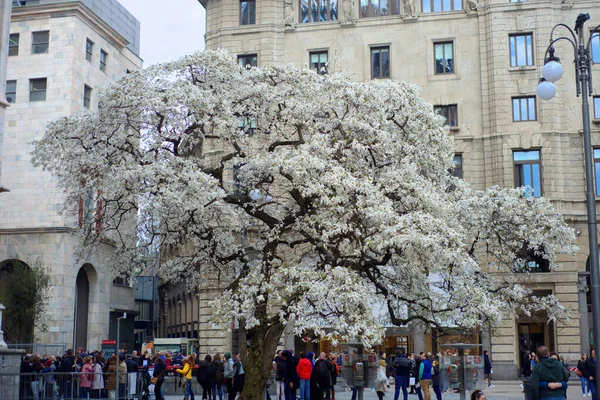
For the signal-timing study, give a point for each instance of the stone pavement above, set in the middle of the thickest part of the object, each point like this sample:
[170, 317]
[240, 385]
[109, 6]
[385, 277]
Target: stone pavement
[502, 390]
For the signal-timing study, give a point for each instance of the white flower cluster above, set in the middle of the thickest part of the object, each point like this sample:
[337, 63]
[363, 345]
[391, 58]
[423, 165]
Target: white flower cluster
[302, 198]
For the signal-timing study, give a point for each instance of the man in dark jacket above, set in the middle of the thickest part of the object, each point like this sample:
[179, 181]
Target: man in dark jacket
[551, 372]
[67, 367]
[290, 376]
[279, 367]
[132, 370]
[589, 371]
[324, 367]
[487, 368]
[400, 371]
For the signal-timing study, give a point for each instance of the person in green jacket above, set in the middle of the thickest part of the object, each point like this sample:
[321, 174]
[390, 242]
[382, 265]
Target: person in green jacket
[551, 371]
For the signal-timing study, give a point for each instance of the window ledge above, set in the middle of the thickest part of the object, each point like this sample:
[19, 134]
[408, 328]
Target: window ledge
[523, 68]
[596, 121]
[454, 128]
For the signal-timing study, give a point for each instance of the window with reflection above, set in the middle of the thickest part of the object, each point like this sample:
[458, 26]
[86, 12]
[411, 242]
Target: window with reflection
[596, 107]
[318, 11]
[434, 6]
[597, 170]
[319, 62]
[523, 108]
[247, 12]
[380, 62]
[521, 50]
[528, 171]
[458, 166]
[247, 60]
[444, 57]
[596, 47]
[378, 8]
[450, 112]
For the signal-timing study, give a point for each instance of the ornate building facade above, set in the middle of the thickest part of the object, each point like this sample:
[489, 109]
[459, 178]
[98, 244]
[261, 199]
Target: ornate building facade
[478, 64]
[60, 55]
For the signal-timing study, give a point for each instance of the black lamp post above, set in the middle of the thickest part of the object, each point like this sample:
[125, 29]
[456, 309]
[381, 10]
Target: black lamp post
[551, 72]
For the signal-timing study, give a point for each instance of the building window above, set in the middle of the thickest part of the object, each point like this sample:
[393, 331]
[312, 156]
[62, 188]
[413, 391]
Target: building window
[380, 62]
[247, 12]
[318, 10]
[523, 108]
[597, 170]
[87, 96]
[40, 42]
[521, 50]
[13, 44]
[441, 5]
[531, 263]
[596, 47]
[449, 112]
[37, 89]
[89, 47]
[444, 57]
[517, 1]
[103, 58]
[528, 172]
[319, 62]
[247, 60]
[377, 8]
[458, 166]
[11, 91]
[248, 125]
[124, 279]
[596, 107]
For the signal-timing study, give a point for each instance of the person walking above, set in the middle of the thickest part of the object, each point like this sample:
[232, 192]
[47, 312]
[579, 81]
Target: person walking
[589, 371]
[547, 377]
[585, 384]
[186, 372]
[401, 373]
[381, 379]
[304, 370]
[487, 368]
[435, 379]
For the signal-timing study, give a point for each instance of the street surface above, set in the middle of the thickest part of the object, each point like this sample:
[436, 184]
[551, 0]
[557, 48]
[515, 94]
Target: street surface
[503, 390]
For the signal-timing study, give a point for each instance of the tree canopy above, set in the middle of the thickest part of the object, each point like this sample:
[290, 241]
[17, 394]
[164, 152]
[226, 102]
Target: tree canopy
[302, 197]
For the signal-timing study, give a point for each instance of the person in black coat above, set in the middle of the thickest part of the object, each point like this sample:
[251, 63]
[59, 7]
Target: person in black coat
[160, 370]
[206, 376]
[589, 371]
[290, 376]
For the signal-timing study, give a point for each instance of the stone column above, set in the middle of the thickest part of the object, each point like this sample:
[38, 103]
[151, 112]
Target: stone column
[288, 336]
[584, 323]
[417, 331]
[5, 11]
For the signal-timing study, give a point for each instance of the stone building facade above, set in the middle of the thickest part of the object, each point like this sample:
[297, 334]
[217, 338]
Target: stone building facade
[478, 63]
[61, 55]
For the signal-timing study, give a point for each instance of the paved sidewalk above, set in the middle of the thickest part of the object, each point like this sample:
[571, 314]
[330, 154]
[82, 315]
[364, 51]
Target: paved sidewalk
[502, 390]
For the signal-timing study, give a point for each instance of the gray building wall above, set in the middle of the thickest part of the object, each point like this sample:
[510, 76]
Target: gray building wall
[111, 12]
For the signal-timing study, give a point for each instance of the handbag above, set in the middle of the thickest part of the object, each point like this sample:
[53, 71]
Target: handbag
[578, 372]
[183, 381]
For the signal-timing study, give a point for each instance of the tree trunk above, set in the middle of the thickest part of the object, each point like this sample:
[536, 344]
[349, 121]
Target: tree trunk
[259, 362]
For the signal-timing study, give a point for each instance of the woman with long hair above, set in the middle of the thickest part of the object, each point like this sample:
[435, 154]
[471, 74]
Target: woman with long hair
[160, 369]
[98, 380]
[584, 381]
[186, 372]
[217, 386]
[110, 376]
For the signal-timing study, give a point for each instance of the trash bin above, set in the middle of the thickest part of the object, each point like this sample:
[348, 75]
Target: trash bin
[527, 387]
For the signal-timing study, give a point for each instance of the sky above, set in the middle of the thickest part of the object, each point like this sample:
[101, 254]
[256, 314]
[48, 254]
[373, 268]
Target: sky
[170, 29]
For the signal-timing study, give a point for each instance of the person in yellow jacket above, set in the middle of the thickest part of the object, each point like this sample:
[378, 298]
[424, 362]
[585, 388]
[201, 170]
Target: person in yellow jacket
[186, 372]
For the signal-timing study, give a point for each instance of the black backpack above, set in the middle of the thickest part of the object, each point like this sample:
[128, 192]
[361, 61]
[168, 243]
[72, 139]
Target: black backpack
[323, 370]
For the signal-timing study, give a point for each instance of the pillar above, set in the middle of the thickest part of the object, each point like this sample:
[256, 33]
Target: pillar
[584, 323]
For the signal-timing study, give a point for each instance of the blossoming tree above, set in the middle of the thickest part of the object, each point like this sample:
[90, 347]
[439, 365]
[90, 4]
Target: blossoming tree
[298, 197]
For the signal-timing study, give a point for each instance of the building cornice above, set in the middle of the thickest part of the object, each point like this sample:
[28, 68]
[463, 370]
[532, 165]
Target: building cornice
[75, 8]
[34, 231]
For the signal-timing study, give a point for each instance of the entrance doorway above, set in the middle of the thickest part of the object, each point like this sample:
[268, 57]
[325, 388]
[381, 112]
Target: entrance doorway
[533, 335]
[82, 299]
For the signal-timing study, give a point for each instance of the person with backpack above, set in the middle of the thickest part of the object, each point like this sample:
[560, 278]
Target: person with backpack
[324, 368]
[401, 372]
[205, 377]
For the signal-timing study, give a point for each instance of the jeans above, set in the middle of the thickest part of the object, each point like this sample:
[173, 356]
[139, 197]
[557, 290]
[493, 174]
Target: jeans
[189, 393]
[592, 383]
[280, 390]
[290, 394]
[304, 389]
[354, 393]
[437, 391]
[419, 392]
[217, 388]
[83, 392]
[400, 382]
[158, 390]
[585, 384]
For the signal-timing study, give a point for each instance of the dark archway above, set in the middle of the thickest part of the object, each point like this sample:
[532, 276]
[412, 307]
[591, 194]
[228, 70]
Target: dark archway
[18, 291]
[82, 301]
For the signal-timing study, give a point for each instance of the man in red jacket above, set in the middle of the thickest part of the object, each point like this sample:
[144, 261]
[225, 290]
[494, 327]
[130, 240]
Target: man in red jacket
[304, 369]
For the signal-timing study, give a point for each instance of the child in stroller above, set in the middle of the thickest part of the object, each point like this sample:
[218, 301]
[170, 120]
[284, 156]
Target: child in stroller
[146, 380]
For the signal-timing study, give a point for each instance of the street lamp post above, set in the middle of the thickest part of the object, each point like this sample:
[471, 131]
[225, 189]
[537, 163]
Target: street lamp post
[551, 72]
